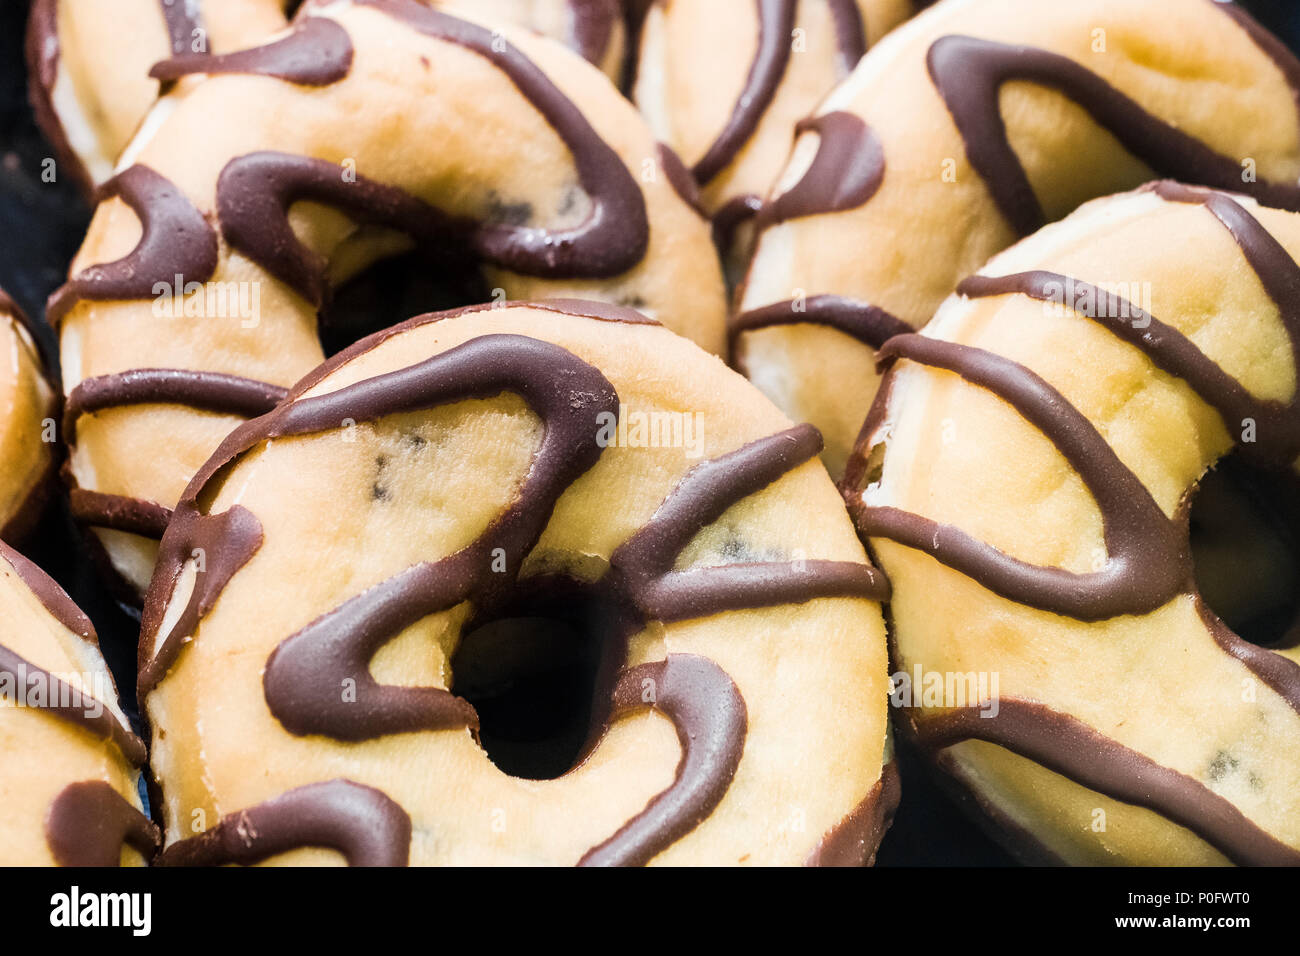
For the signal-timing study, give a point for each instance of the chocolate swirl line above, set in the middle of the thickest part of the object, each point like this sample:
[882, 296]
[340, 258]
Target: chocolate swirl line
[869, 324]
[137, 516]
[733, 214]
[680, 178]
[183, 20]
[591, 27]
[206, 391]
[69, 704]
[1074, 749]
[969, 72]
[317, 52]
[175, 240]
[220, 545]
[52, 597]
[711, 721]
[772, 58]
[89, 822]
[854, 840]
[645, 561]
[845, 173]
[1148, 556]
[616, 234]
[360, 822]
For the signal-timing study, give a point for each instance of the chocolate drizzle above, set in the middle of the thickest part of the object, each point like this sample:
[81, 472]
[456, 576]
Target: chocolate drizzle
[219, 545]
[176, 240]
[52, 597]
[208, 391]
[969, 72]
[591, 27]
[1072, 748]
[854, 840]
[1149, 560]
[845, 173]
[360, 822]
[318, 52]
[645, 561]
[148, 519]
[867, 323]
[680, 178]
[709, 714]
[183, 21]
[89, 822]
[775, 25]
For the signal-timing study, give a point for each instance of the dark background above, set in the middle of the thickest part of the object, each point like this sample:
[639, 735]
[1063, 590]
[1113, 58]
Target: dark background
[41, 227]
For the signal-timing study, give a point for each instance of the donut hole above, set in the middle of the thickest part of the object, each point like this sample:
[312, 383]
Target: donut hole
[1245, 535]
[533, 674]
[394, 290]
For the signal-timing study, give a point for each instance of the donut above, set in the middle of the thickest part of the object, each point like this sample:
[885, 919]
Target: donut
[971, 126]
[89, 60]
[27, 435]
[1027, 479]
[562, 460]
[729, 109]
[71, 765]
[193, 301]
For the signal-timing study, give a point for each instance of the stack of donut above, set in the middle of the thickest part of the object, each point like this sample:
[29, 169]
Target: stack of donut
[928, 246]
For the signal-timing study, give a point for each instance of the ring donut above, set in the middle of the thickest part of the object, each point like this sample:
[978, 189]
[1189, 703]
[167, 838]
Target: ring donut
[28, 404]
[1026, 478]
[71, 765]
[736, 138]
[90, 60]
[194, 300]
[492, 464]
[971, 126]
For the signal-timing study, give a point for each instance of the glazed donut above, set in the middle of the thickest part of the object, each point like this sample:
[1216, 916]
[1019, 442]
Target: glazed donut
[258, 217]
[480, 465]
[729, 109]
[89, 60]
[71, 766]
[27, 438]
[1025, 480]
[970, 126]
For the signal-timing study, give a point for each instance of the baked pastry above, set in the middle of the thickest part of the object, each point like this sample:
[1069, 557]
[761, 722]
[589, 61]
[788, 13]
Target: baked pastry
[90, 60]
[69, 764]
[970, 126]
[194, 299]
[730, 109]
[563, 460]
[1025, 480]
[27, 431]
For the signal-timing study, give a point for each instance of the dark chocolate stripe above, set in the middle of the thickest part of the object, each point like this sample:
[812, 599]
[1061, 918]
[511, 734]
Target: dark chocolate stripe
[846, 172]
[869, 324]
[182, 19]
[591, 27]
[220, 545]
[41, 52]
[89, 822]
[854, 840]
[772, 58]
[733, 214]
[680, 178]
[360, 822]
[616, 234]
[78, 707]
[1072, 748]
[645, 560]
[48, 592]
[1149, 559]
[148, 519]
[969, 73]
[206, 391]
[711, 720]
[176, 240]
[317, 52]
